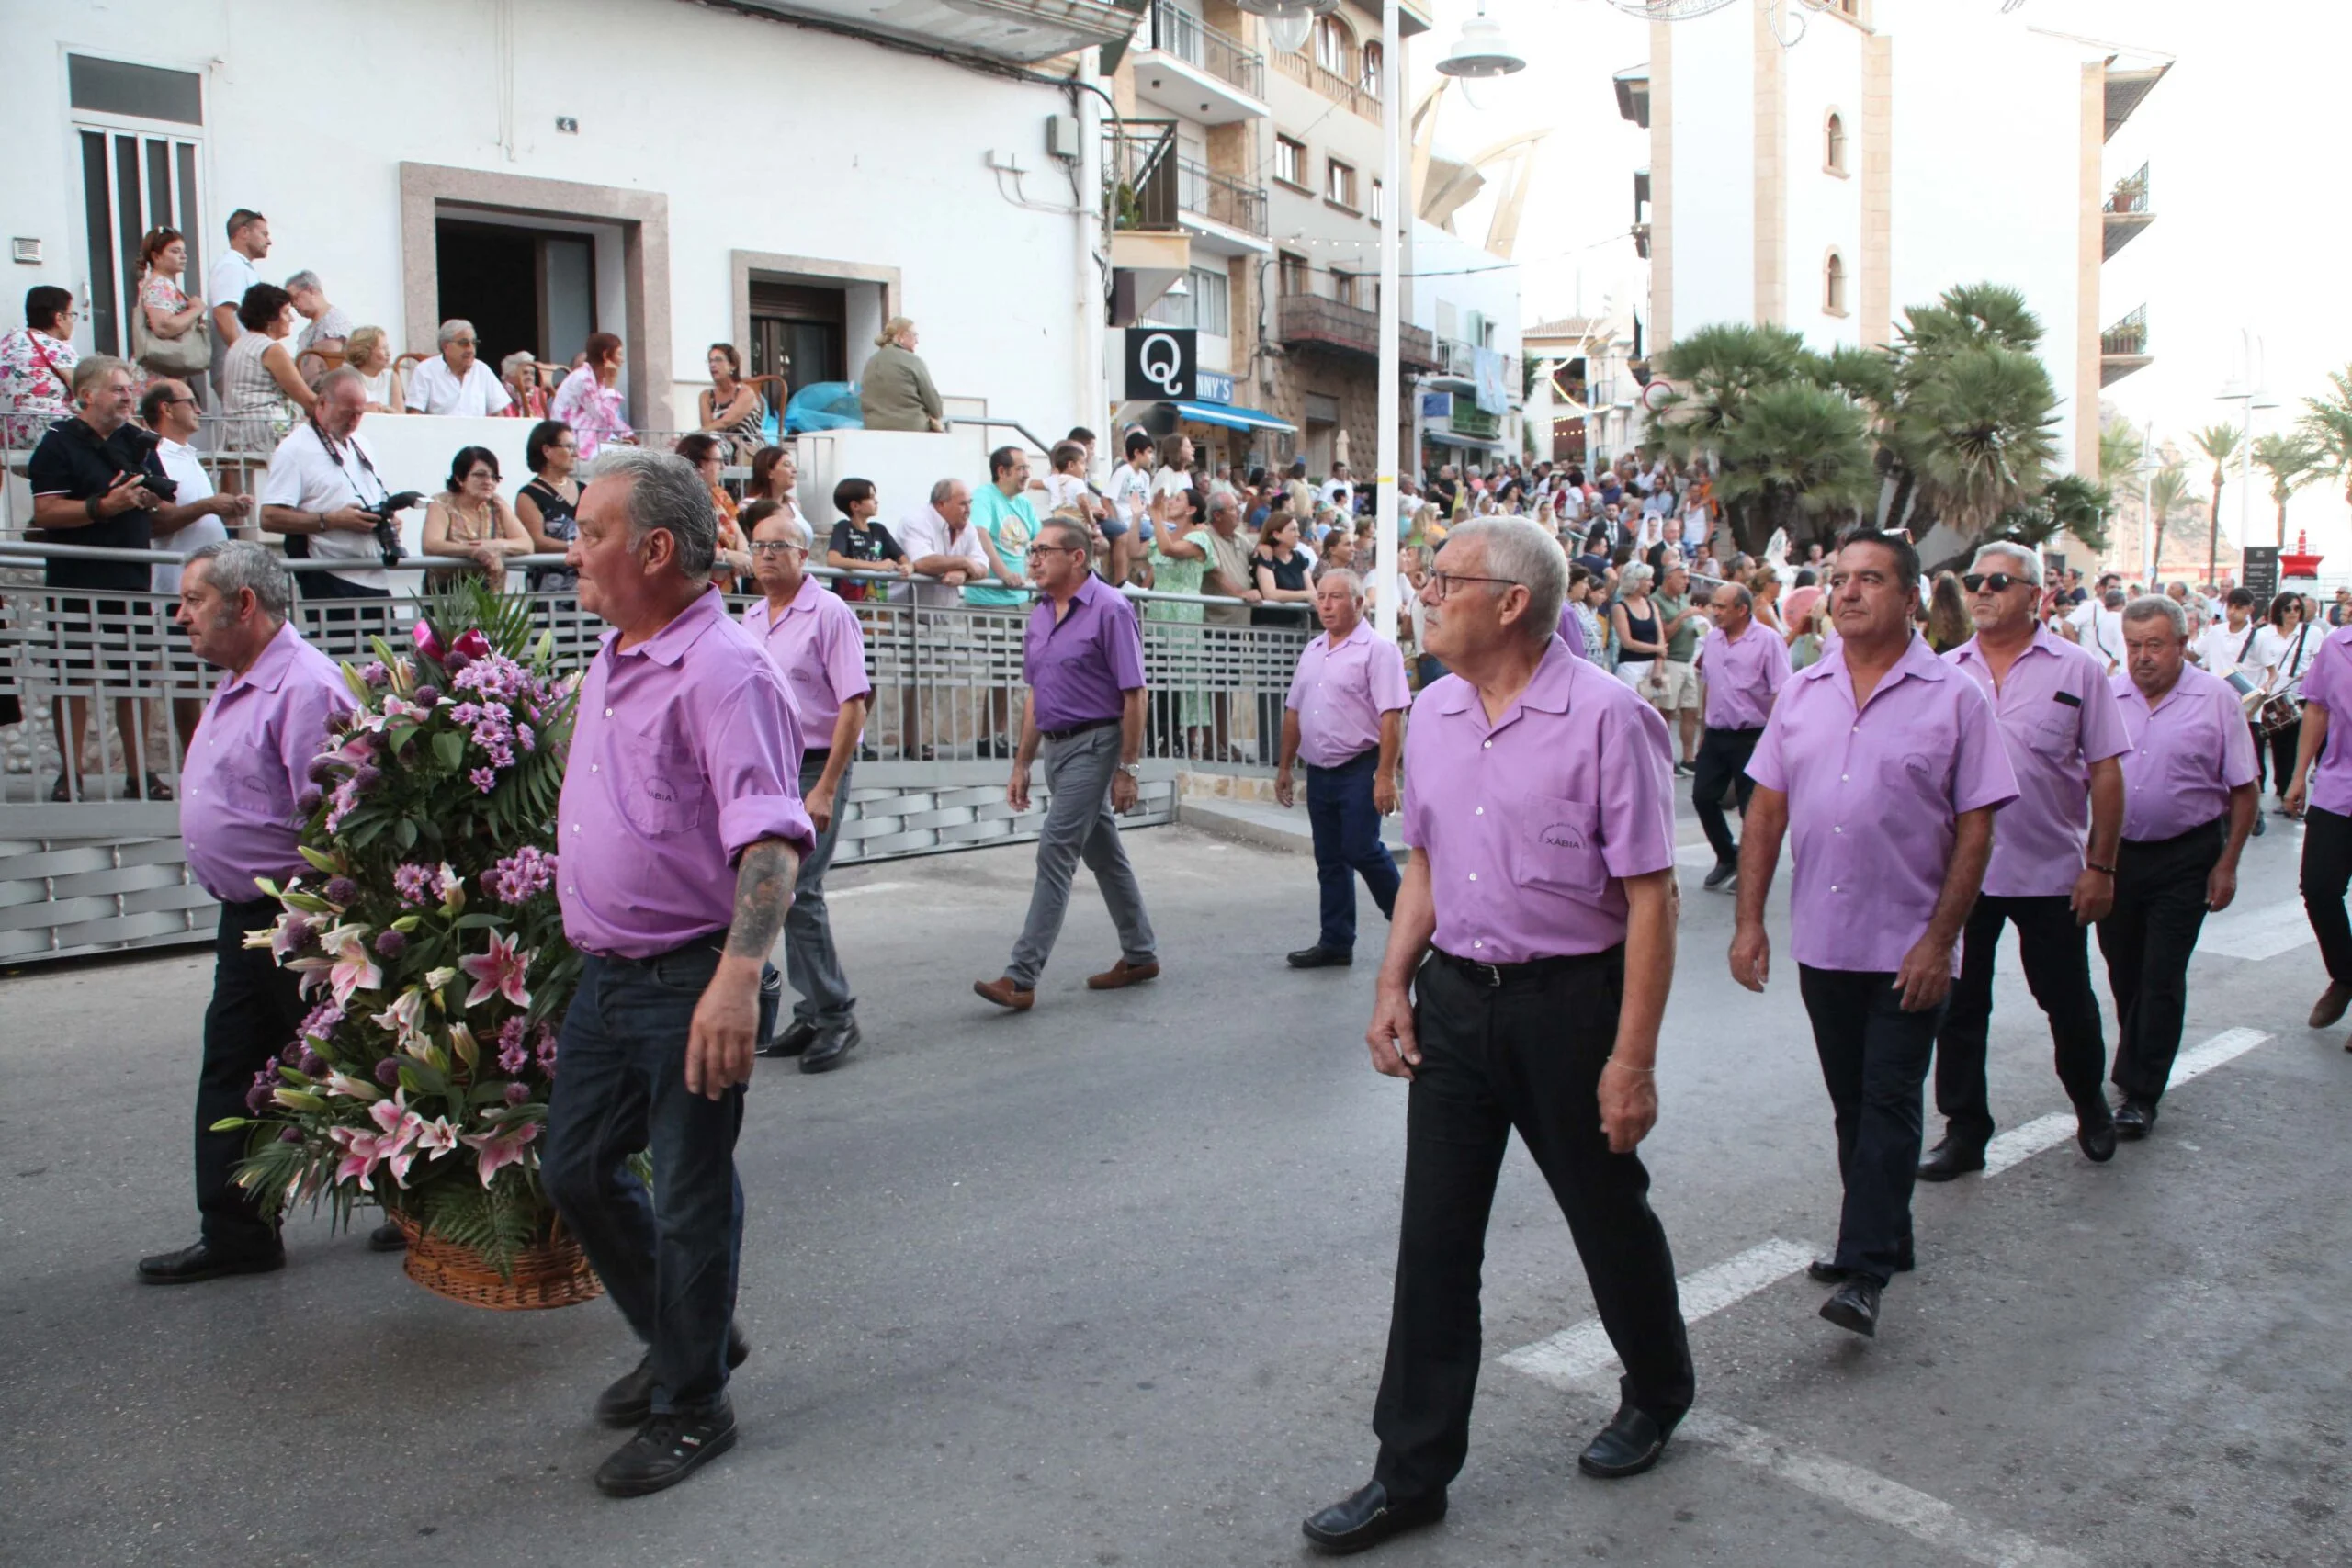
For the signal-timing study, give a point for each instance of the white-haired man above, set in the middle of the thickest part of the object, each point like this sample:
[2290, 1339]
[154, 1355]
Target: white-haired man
[456, 381]
[326, 326]
[323, 492]
[1527, 971]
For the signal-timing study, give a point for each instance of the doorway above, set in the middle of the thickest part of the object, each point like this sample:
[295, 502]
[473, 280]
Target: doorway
[800, 332]
[531, 290]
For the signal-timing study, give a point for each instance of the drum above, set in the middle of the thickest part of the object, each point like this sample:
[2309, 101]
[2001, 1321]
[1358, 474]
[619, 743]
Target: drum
[2281, 712]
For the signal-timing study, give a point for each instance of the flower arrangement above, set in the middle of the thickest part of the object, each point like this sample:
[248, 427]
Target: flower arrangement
[430, 940]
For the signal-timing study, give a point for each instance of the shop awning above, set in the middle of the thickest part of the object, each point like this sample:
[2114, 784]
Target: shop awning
[1232, 418]
[1475, 443]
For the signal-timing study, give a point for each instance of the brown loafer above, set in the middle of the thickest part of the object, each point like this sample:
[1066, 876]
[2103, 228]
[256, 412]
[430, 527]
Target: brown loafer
[1123, 973]
[2331, 1005]
[1005, 994]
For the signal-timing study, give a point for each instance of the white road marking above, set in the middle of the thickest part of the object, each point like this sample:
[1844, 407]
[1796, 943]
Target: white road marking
[835, 894]
[2227, 1046]
[1573, 1354]
[2261, 932]
[1873, 1496]
[1699, 856]
[2023, 1143]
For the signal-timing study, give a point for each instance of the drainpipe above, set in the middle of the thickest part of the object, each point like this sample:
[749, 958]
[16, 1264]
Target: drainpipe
[1092, 397]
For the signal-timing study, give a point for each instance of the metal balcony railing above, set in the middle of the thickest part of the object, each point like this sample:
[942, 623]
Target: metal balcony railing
[1221, 198]
[2127, 338]
[2131, 193]
[1315, 318]
[1177, 31]
[1330, 83]
[1139, 174]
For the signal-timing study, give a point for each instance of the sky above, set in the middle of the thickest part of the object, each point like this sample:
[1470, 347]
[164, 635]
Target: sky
[2243, 241]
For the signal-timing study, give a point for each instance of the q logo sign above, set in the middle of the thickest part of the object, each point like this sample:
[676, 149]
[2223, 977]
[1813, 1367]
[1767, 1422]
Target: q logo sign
[1161, 361]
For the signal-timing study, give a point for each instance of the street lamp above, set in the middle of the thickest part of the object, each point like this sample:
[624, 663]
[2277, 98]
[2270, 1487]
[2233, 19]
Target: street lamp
[1481, 50]
[2250, 391]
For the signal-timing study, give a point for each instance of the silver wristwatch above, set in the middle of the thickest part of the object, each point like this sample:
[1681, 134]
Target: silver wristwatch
[1133, 770]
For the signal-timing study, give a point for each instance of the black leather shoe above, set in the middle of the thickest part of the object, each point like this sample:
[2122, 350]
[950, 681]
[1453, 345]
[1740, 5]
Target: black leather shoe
[832, 1045]
[1629, 1445]
[1322, 957]
[1825, 1270]
[2135, 1119]
[387, 1238]
[1368, 1517]
[667, 1449]
[1725, 875]
[792, 1042]
[1854, 1307]
[2331, 1005]
[1951, 1159]
[629, 1401]
[194, 1265]
[2094, 1134]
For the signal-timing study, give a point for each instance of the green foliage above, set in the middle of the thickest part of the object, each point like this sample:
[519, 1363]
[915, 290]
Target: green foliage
[2068, 504]
[1978, 434]
[2325, 433]
[2120, 450]
[1796, 451]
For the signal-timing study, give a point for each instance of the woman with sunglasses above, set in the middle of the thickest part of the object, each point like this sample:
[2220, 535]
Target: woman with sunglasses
[2283, 651]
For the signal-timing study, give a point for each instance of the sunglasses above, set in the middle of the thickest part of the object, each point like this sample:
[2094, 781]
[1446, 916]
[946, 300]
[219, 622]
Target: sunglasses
[1992, 581]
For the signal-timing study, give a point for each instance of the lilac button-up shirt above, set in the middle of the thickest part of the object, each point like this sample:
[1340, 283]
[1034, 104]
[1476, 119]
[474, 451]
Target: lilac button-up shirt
[2328, 682]
[1340, 690]
[248, 760]
[2185, 753]
[1531, 824]
[2057, 716]
[819, 649]
[1079, 668]
[685, 751]
[1743, 674]
[1873, 796]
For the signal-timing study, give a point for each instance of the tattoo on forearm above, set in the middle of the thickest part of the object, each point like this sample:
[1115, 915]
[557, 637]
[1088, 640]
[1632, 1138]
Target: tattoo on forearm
[764, 880]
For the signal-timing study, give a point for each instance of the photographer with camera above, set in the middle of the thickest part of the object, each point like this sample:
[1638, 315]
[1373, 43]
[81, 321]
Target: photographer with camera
[324, 494]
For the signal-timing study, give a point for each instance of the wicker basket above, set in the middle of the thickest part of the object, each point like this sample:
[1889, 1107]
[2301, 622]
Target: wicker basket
[552, 1273]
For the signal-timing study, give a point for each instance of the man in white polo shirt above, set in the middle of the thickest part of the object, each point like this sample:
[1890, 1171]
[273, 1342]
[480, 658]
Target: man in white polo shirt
[456, 381]
[323, 492]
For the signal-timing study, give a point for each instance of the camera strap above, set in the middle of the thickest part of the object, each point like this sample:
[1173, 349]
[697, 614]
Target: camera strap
[334, 451]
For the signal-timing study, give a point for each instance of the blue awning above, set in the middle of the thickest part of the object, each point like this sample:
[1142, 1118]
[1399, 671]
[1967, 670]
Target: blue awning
[1232, 418]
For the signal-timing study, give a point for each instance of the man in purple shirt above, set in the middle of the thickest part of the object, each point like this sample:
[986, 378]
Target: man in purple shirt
[2189, 801]
[680, 831]
[1345, 715]
[1887, 765]
[2062, 734]
[1082, 655]
[816, 644]
[1742, 667]
[2322, 793]
[1527, 971]
[248, 764]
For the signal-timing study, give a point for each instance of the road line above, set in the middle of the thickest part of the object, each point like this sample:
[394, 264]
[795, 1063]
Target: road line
[1573, 1354]
[1873, 1496]
[2227, 1046]
[2257, 933]
[836, 893]
[2020, 1144]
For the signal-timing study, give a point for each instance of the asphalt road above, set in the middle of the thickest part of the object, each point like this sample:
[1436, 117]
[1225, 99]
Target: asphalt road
[1108, 1282]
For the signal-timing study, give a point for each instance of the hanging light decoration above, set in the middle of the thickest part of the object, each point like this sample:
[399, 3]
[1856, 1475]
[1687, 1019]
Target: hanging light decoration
[1288, 31]
[1669, 10]
[1481, 50]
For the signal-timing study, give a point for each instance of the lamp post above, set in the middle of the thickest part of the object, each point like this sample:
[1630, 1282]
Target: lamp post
[2250, 391]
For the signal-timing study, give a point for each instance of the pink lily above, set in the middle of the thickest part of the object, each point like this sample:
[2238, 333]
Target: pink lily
[501, 1149]
[498, 973]
[436, 1137]
[427, 643]
[471, 644]
[399, 1126]
[403, 1018]
[344, 1084]
[352, 968]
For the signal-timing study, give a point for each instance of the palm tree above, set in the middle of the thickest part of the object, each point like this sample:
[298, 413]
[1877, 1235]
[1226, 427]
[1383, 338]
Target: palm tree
[2120, 450]
[2292, 463]
[1796, 451]
[1716, 370]
[2326, 430]
[2166, 490]
[1977, 432]
[2068, 505]
[2219, 444]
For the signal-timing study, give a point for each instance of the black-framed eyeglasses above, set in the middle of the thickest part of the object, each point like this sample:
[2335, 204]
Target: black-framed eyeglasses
[1993, 581]
[1446, 579]
[1061, 549]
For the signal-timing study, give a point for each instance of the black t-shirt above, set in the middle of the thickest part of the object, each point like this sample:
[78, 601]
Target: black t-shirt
[72, 461]
[1289, 574]
[871, 543]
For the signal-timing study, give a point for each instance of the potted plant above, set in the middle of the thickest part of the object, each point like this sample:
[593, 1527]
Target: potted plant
[428, 934]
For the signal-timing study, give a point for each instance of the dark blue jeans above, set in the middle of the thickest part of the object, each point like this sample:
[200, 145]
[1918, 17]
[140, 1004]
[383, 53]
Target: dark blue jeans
[1347, 840]
[668, 1259]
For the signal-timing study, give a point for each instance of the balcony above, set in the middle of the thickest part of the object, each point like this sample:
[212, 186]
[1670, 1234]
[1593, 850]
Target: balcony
[1024, 31]
[2126, 88]
[1313, 321]
[1633, 94]
[1330, 83]
[1191, 69]
[1457, 360]
[1153, 190]
[2129, 209]
[2123, 348]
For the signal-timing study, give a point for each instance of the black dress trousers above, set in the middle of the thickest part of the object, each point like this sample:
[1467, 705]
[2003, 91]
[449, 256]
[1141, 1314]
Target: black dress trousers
[2328, 872]
[1524, 1055]
[2055, 952]
[1874, 1063]
[256, 1007]
[2148, 939]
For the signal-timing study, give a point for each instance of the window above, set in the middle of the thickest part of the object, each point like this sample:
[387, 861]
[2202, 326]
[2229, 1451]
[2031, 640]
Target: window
[1294, 274]
[1290, 162]
[1833, 286]
[1343, 286]
[1339, 184]
[1833, 138]
[1332, 46]
[1375, 200]
[1369, 78]
[142, 146]
[1205, 305]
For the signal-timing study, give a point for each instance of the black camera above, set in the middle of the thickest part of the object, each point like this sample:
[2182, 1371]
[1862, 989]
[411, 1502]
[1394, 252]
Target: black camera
[142, 443]
[387, 524]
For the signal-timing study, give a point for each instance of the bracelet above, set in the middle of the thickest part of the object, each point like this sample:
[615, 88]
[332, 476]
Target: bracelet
[91, 506]
[1628, 1066]
[2102, 870]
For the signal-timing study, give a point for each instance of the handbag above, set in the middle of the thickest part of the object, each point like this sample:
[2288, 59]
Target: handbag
[191, 354]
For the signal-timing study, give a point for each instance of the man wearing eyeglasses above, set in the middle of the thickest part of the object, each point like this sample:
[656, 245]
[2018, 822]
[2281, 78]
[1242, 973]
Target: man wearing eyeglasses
[456, 381]
[1527, 970]
[1082, 657]
[2062, 731]
[1884, 766]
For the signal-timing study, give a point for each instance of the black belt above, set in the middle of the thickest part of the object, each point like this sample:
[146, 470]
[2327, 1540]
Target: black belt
[2216, 825]
[1494, 976]
[714, 940]
[1079, 729]
[815, 754]
[1734, 730]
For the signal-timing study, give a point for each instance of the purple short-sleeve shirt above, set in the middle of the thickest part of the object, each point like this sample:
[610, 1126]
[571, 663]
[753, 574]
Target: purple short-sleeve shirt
[2184, 753]
[2057, 716]
[687, 750]
[2328, 682]
[250, 760]
[1531, 823]
[1081, 667]
[1873, 798]
[1743, 674]
[819, 649]
[1340, 690]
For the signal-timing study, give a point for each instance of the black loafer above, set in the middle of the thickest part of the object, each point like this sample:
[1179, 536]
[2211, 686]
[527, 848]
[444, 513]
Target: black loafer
[667, 1449]
[1854, 1307]
[387, 1238]
[2095, 1134]
[792, 1042]
[1321, 957]
[1368, 1517]
[2135, 1118]
[629, 1401]
[1726, 872]
[194, 1265]
[830, 1046]
[1951, 1159]
[1629, 1445]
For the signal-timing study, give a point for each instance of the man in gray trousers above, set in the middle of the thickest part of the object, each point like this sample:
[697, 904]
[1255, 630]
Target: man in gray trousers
[1082, 655]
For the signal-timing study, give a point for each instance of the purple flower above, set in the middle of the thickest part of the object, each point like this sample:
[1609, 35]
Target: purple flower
[313, 1064]
[523, 733]
[257, 1097]
[324, 1017]
[520, 877]
[289, 1135]
[484, 779]
[342, 890]
[366, 778]
[428, 695]
[514, 1056]
[323, 768]
[308, 801]
[391, 943]
[415, 883]
[375, 674]
[547, 1049]
[292, 1056]
[516, 1094]
[387, 1072]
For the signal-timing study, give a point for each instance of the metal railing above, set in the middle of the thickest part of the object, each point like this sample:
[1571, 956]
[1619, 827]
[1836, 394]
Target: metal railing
[1221, 198]
[2131, 193]
[1139, 174]
[2127, 338]
[1328, 83]
[1311, 318]
[1177, 31]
